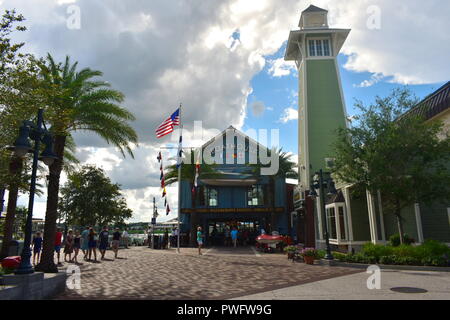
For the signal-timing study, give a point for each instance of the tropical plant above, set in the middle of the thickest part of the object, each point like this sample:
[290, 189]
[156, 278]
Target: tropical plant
[286, 169]
[78, 102]
[400, 156]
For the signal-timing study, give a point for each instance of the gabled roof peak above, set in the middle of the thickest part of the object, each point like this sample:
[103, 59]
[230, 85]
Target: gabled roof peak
[313, 8]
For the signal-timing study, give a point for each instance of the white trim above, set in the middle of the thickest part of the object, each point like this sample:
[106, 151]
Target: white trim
[306, 121]
[380, 208]
[448, 213]
[335, 242]
[418, 222]
[341, 90]
[349, 216]
[322, 47]
[319, 216]
[372, 218]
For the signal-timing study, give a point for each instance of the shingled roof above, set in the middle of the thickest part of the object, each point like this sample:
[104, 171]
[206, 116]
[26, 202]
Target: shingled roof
[432, 105]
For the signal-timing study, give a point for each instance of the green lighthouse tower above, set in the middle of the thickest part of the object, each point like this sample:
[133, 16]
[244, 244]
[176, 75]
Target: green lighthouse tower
[314, 48]
[321, 106]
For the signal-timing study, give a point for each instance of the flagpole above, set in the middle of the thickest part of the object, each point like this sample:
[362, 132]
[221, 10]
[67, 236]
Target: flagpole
[179, 188]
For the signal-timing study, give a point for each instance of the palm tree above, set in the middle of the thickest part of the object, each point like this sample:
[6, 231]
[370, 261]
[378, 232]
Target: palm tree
[287, 169]
[188, 174]
[78, 102]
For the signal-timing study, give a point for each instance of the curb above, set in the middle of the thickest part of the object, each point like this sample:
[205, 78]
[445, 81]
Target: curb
[386, 266]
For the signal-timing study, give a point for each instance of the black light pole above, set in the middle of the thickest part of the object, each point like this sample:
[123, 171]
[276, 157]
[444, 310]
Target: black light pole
[21, 148]
[328, 255]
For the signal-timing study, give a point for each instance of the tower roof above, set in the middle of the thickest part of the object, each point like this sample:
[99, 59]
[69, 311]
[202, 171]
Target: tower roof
[313, 8]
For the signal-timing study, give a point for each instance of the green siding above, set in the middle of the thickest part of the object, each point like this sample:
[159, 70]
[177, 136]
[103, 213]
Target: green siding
[435, 222]
[409, 223]
[325, 109]
[360, 219]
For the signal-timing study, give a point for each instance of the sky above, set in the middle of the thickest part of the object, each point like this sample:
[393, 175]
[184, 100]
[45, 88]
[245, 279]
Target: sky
[223, 60]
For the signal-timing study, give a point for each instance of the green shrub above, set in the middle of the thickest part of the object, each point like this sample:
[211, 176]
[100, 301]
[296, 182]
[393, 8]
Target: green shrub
[321, 254]
[395, 239]
[387, 260]
[340, 256]
[376, 250]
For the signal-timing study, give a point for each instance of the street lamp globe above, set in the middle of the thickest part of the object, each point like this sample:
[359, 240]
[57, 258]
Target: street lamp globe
[22, 145]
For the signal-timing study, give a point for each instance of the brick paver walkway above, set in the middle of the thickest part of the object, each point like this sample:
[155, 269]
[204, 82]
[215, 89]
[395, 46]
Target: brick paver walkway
[143, 273]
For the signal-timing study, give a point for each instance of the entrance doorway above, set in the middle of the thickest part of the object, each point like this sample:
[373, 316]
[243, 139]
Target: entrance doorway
[218, 231]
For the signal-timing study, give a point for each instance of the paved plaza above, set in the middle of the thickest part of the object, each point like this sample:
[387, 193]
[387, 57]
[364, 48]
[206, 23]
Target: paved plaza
[143, 273]
[419, 285]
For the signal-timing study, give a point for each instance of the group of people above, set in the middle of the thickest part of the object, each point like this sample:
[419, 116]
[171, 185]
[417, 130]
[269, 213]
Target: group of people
[87, 241]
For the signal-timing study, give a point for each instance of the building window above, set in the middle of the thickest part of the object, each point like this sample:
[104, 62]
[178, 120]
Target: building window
[208, 197]
[312, 48]
[213, 199]
[319, 48]
[331, 223]
[255, 195]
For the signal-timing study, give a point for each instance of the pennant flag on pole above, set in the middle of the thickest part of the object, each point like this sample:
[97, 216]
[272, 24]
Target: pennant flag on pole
[180, 152]
[167, 126]
[162, 176]
[163, 183]
[159, 157]
[164, 192]
[197, 171]
[167, 210]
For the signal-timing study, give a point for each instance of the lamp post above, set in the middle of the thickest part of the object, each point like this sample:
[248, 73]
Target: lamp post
[21, 147]
[320, 183]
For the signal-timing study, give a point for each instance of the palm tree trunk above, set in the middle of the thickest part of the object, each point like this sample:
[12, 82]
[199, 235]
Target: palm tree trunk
[15, 167]
[47, 263]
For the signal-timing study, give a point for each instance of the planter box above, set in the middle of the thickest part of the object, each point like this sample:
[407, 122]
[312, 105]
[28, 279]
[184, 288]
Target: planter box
[35, 286]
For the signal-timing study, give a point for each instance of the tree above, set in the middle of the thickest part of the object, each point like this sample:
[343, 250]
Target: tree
[17, 74]
[89, 198]
[78, 102]
[400, 156]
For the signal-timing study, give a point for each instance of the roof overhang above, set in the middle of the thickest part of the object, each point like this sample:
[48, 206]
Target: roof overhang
[293, 52]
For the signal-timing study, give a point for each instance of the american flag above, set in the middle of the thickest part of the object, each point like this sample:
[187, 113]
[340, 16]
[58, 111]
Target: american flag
[167, 126]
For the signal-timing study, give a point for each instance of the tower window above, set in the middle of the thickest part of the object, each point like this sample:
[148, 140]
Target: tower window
[319, 48]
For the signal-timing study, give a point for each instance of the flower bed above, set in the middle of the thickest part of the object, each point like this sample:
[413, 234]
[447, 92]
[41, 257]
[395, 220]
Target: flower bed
[431, 253]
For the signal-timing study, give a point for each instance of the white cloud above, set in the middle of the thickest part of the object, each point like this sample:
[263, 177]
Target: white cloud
[281, 68]
[288, 115]
[161, 53]
[375, 78]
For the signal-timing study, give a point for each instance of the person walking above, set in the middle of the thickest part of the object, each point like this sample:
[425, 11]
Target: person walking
[58, 242]
[76, 246]
[37, 247]
[104, 239]
[125, 237]
[92, 243]
[85, 242]
[116, 242]
[68, 246]
[199, 240]
[234, 236]
[227, 236]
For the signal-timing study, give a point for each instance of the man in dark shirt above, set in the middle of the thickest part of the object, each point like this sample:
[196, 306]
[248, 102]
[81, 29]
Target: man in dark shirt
[116, 241]
[104, 237]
